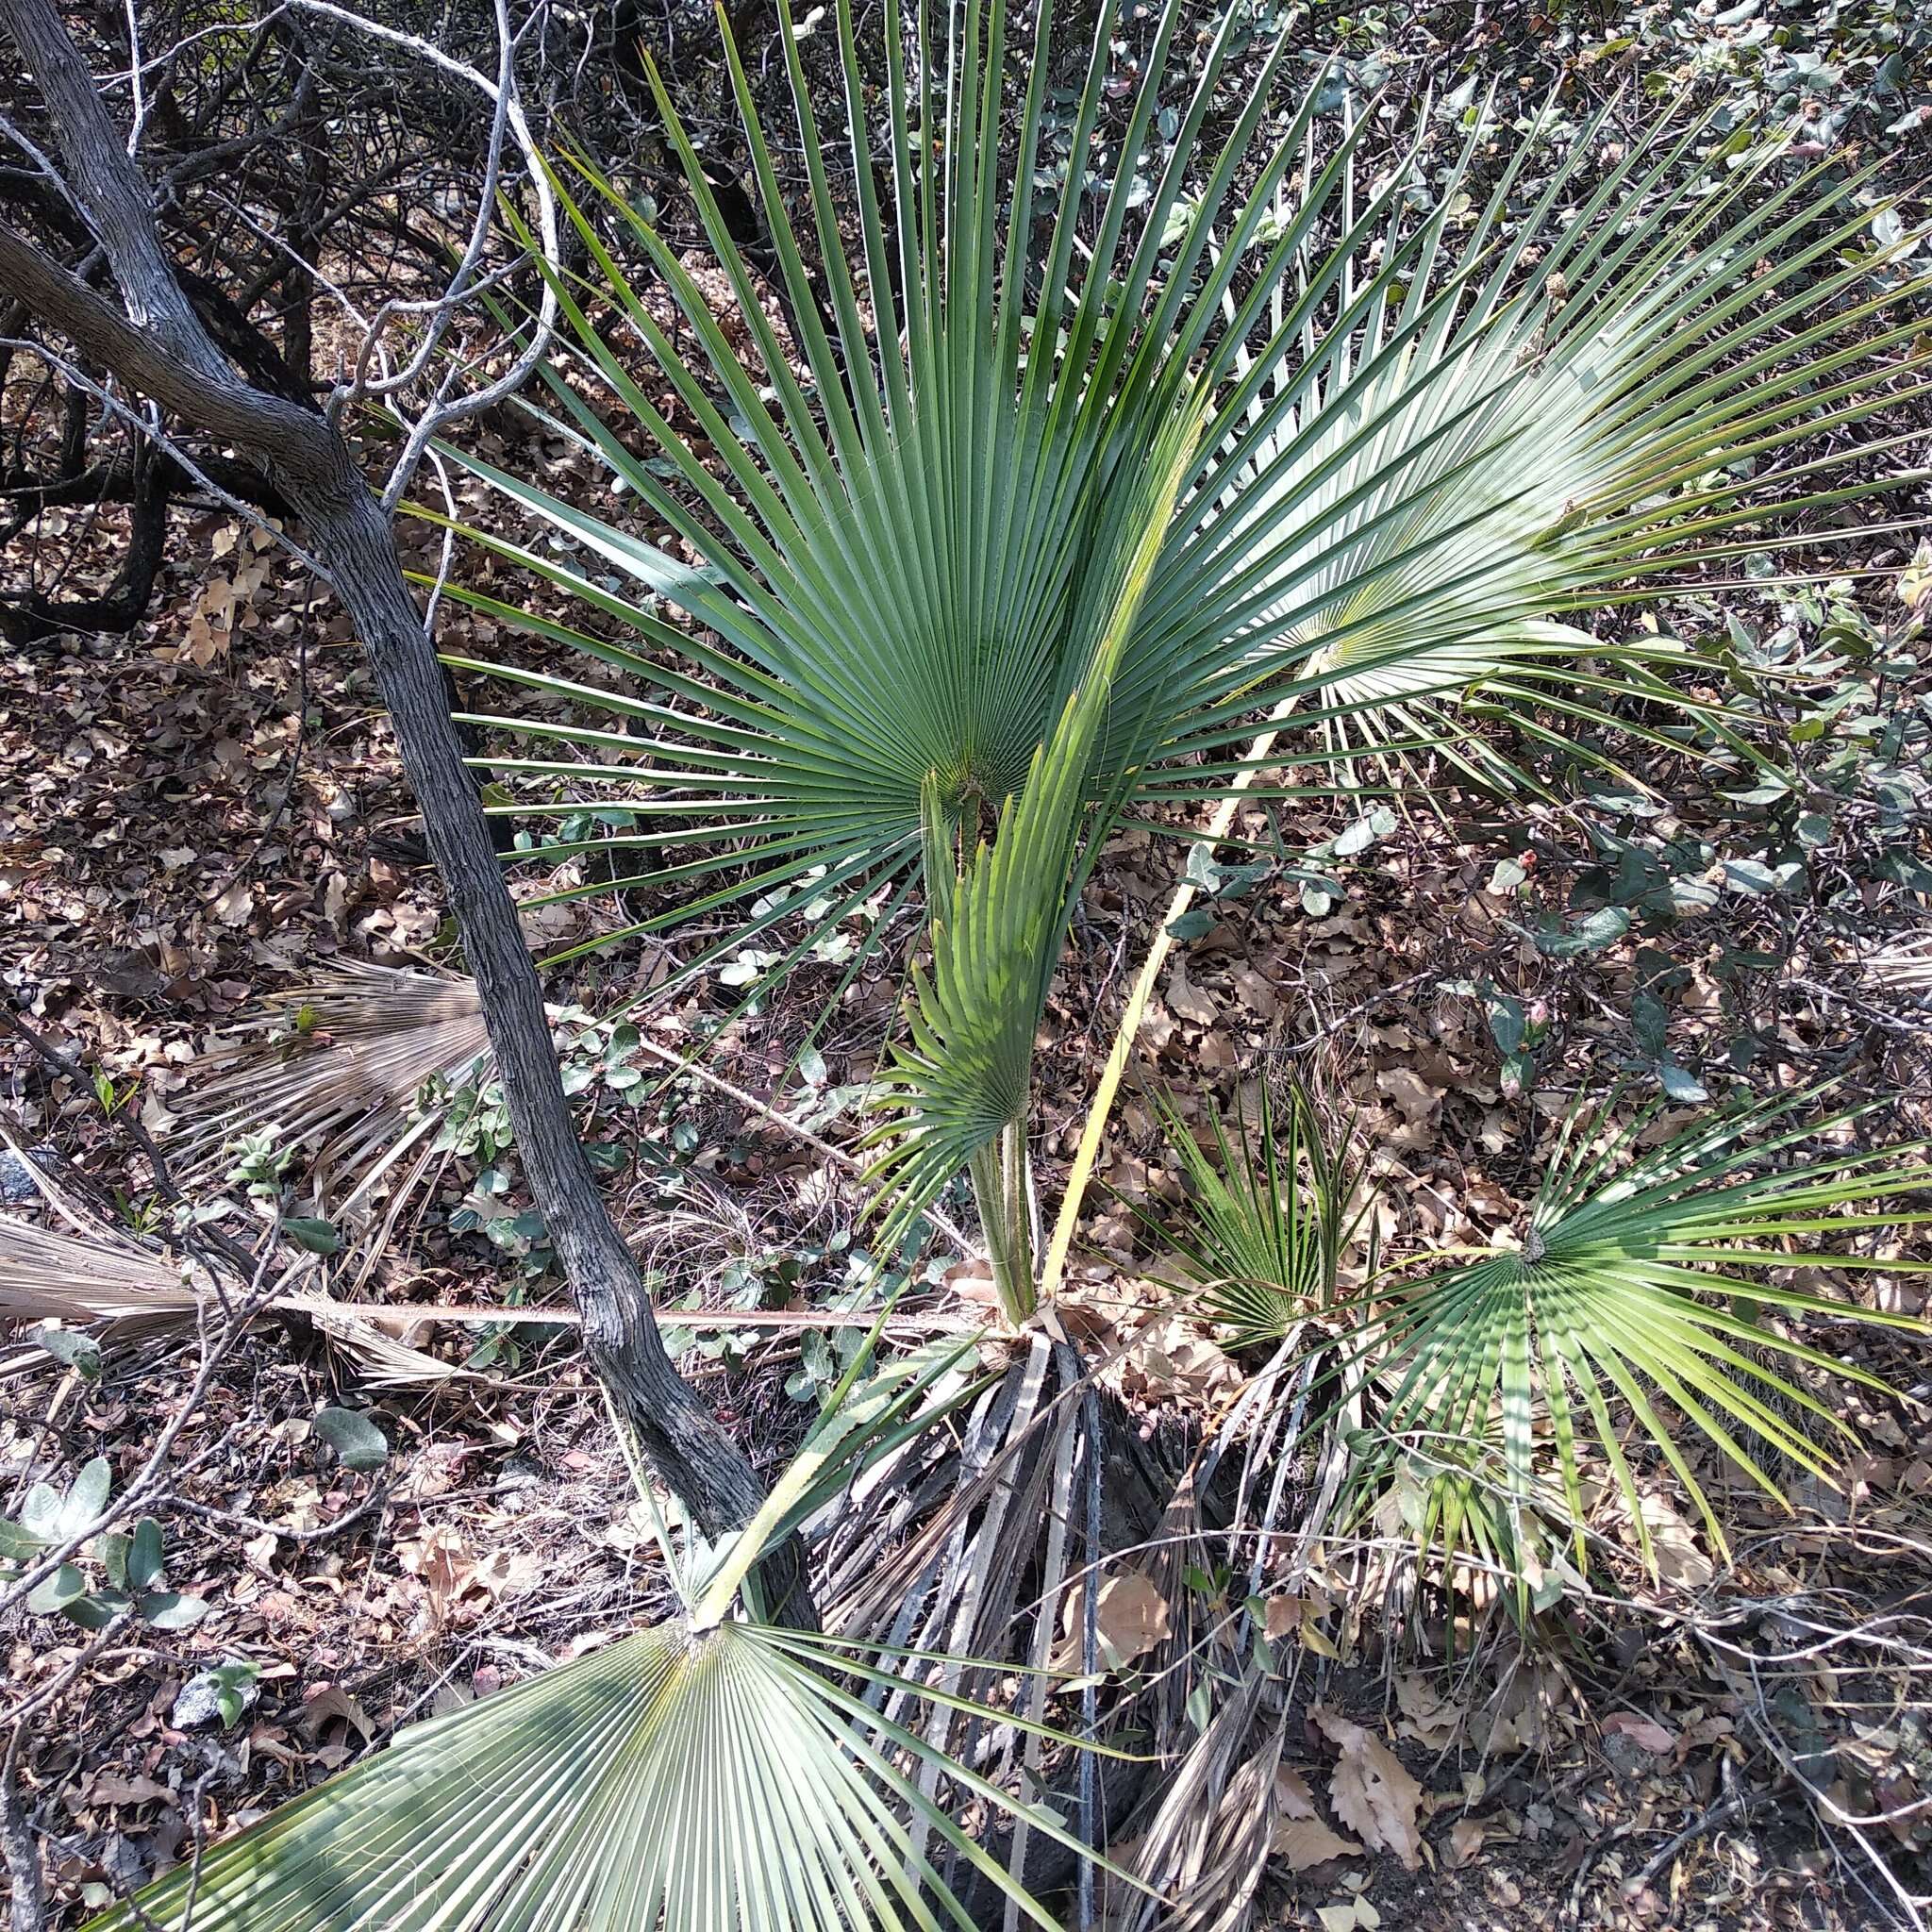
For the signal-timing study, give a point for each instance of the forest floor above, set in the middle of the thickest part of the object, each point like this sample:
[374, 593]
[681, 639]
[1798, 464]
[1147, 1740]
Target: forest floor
[227, 820]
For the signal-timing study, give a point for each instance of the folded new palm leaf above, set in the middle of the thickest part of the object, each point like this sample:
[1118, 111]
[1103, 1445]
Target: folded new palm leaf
[714, 1773]
[1640, 1278]
[999, 909]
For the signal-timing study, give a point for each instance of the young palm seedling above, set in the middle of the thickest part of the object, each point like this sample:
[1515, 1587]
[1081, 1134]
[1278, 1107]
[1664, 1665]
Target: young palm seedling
[1640, 1288]
[1422, 439]
[1269, 1219]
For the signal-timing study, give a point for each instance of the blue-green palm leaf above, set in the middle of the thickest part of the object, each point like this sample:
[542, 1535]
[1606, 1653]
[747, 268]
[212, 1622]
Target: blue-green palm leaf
[1640, 1276]
[1436, 427]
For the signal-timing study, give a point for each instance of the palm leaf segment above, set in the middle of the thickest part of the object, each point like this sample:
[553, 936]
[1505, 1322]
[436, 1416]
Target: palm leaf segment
[900, 547]
[706, 1775]
[1453, 447]
[1637, 1279]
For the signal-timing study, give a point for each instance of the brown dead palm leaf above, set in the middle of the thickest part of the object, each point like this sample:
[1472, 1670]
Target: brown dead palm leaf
[50, 1275]
[356, 1068]
[92, 1274]
[1906, 967]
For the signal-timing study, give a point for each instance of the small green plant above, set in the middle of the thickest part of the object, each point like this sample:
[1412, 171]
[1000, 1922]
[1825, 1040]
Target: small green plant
[259, 1161]
[230, 1686]
[1269, 1217]
[114, 1574]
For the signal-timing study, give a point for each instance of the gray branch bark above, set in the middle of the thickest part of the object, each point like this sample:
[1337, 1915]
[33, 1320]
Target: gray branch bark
[155, 344]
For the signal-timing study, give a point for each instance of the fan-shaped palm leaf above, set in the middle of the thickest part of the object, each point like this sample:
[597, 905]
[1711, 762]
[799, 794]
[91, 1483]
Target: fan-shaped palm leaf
[898, 595]
[1419, 445]
[1266, 1221]
[355, 1067]
[711, 1772]
[1636, 1279]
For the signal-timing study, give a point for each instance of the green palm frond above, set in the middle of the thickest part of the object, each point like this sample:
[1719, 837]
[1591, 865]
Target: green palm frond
[1639, 1279]
[1266, 1221]
[898, 548]
[711, 1772]
[1451, 447]
[999, 917]
[1435, 428]
[677, 1780]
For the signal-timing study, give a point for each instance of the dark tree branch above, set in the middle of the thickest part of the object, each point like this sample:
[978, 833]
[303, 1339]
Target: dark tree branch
[155, 342]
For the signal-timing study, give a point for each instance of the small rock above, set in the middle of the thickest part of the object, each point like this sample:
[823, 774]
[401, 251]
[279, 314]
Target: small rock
[17, 1189]
[200, 1701]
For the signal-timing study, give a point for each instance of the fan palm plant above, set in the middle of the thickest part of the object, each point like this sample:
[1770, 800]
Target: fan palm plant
[1269, 1220]
[1428, 421]
[717, 1771]
[1641, 1276]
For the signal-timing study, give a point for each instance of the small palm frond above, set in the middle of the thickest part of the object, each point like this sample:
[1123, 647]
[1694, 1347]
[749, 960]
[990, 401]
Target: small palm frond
[681, 1779]
[1268, 1221]
[710, 1774]
[1639, 1279]
[355, 1068]
[1473, 1533]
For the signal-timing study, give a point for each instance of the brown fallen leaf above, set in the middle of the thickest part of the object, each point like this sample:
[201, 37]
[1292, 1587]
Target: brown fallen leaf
[1305, 1841]
[1129, 1620]
[1430, 1717]
[1466, 1837]
[1292, 1797]
[1641, 1730]
[1351, 1915]
[109, 1788]
[329, 1703]
[1371, 1792]
[1674, 1544]
[1410, 1092]
[1186, 999]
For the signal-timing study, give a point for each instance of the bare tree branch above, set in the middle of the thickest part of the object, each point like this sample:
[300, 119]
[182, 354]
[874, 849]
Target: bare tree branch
[155, 342]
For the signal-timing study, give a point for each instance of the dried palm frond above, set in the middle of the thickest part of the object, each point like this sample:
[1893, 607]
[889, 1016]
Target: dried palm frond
[96, 1273]
[357, 1068]
[1906, 967]
[46, 1276]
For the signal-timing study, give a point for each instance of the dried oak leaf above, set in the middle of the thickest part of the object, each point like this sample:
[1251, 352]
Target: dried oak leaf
[1305, 1841]
[1128, 1621]
[1371, 1792]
